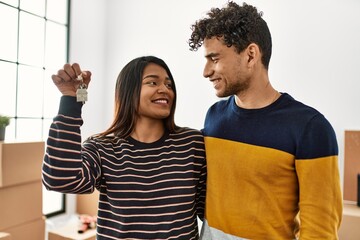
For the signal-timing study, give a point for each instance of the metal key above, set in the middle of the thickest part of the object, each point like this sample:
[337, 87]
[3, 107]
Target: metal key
[81, 93]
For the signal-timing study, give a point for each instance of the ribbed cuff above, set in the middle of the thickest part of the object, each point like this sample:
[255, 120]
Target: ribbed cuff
[70, 107]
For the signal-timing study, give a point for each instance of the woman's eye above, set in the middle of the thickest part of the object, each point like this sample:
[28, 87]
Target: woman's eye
[168, 85]
[153, 83]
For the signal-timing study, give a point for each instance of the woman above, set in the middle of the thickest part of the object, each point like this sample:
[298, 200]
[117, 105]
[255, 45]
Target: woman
[150, 172]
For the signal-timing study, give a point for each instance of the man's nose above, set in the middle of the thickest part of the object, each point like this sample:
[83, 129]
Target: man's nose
[208, 71]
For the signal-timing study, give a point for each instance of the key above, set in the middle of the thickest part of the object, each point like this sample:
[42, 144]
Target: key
[81, 93]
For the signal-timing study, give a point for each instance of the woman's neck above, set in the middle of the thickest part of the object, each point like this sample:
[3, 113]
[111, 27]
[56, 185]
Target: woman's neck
[148, 131]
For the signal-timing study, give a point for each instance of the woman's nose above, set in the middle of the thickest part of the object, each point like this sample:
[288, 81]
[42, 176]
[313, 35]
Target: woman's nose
[163, 88]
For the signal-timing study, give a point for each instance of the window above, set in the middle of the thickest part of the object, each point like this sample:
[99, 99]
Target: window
[33, 45]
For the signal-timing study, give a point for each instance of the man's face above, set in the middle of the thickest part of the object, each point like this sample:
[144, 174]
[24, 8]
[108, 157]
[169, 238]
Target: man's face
[225, 68]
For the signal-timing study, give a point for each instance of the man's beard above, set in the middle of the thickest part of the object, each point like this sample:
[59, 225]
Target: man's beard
[234, 88]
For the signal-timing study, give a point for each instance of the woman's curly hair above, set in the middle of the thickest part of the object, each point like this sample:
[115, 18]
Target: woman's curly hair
[238, 26]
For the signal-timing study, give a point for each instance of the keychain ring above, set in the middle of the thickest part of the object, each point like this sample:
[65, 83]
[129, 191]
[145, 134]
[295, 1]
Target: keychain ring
[80, 77]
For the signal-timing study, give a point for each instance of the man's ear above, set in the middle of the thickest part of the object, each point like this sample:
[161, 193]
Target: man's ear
[253, 53]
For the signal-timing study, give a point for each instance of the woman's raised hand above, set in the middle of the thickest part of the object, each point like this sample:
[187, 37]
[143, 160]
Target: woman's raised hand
[69, 78]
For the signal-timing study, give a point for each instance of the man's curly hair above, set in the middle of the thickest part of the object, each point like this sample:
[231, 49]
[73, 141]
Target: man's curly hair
[237, 26]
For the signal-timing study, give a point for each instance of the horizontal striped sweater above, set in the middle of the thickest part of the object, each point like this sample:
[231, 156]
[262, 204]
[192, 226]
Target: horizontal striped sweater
[147, 191]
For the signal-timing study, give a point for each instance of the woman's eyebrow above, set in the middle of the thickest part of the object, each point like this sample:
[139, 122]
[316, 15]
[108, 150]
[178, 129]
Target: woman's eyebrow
[151, 76]
[154, 76]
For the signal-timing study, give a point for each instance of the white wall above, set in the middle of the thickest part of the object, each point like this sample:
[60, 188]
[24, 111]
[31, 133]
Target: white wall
[316, 53]
[88, 48]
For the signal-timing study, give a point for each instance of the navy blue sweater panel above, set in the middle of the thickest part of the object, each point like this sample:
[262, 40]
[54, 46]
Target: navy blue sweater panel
[287, 125]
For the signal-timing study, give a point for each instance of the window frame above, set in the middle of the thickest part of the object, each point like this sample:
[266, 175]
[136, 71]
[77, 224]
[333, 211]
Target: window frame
[43, 119]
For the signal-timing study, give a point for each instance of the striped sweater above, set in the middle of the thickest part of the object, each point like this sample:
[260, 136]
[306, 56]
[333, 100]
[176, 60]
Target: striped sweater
[147, 191]
[265, 167]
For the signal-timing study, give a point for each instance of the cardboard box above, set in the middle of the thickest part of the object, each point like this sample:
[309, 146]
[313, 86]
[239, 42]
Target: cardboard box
[20, 162]
[69, 232]
[351, 165]
[20, 204]
[5, 236]
[33, 230]
[87, 203]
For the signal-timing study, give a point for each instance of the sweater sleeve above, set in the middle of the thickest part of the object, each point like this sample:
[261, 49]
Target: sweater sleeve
[201, 193]
[201, 185]
[320, 198]
[68, 167]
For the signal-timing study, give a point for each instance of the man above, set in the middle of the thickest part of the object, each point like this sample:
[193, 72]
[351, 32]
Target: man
[272, 161]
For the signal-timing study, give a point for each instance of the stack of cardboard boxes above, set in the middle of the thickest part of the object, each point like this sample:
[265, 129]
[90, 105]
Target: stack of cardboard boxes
[21, 214]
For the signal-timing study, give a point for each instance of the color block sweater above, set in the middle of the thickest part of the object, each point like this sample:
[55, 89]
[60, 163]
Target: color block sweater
[147, 191]
[266, 166]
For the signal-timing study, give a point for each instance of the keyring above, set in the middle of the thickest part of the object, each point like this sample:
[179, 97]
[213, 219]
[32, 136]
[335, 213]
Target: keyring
[80, 77]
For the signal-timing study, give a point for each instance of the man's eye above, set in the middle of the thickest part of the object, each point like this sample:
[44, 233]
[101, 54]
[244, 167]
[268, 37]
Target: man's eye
[214, 60]
[169, 85]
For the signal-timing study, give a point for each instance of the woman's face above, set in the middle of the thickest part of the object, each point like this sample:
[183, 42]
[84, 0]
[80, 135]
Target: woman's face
[156, 96]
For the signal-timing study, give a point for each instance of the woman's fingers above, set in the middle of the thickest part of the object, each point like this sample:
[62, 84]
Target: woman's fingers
[69, 71]
[70, 77]
[77, 70]
[56, 79]
[86, 77]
